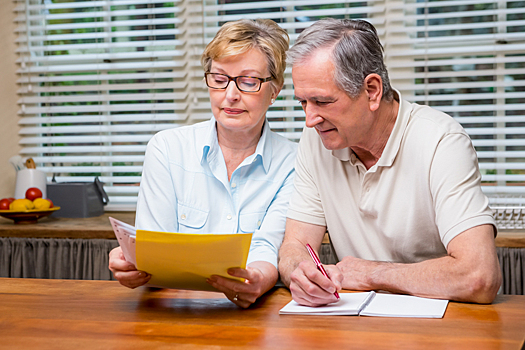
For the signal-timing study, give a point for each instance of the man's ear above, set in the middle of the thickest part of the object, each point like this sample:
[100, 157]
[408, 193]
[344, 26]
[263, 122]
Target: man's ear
[373, 85]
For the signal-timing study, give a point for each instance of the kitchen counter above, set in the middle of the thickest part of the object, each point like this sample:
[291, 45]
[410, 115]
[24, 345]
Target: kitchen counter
[50, 227]
[99, 227]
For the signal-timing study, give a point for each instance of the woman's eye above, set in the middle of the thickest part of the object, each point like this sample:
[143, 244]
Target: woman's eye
[249, 82]
[220, 79]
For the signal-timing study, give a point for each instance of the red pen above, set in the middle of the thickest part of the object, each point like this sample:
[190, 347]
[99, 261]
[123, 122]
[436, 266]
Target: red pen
[319, 265]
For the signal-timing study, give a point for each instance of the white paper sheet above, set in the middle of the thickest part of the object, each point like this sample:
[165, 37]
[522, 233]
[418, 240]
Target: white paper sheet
[374, 304]
[126, 236]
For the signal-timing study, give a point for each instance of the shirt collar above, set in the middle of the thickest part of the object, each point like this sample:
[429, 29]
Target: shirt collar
[263, 152]
[394, 141]
[396, 136]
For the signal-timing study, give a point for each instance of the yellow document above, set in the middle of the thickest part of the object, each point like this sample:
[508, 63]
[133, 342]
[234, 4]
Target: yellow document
[186, 260]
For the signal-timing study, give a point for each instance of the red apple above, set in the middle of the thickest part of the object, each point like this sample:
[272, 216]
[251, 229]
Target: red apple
[4, 203]
[33, 193]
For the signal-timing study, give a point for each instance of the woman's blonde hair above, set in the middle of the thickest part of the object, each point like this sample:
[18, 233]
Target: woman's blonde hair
[238, 37]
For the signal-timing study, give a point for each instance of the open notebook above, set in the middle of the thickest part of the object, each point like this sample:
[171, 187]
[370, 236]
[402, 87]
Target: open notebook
[182, 260]
[374, 304]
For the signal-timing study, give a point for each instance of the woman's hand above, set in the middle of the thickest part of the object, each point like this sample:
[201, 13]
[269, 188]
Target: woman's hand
[259, 277]
[125, 272]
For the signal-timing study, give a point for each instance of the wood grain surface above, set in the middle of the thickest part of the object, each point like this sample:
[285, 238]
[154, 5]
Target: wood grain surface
[69, 314]
[51, 227]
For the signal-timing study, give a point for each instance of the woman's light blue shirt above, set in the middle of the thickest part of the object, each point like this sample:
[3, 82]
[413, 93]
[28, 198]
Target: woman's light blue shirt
[185, 187]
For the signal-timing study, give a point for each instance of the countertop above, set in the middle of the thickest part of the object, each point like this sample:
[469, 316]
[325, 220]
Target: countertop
[100, 227]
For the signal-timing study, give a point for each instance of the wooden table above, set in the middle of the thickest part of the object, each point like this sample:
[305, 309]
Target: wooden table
[69, 314]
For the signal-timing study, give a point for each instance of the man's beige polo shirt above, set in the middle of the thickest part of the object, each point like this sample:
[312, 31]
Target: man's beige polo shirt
[423, 191]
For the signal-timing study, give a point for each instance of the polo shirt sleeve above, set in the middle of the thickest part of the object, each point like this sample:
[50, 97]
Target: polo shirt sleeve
[455, 181]
[305, 203]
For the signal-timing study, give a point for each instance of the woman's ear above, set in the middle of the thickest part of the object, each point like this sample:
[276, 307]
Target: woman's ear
[275, 92]
[373, 85]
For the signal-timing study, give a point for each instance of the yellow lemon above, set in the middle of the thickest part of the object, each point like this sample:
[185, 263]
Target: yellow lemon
[41, 203]
[21, 205]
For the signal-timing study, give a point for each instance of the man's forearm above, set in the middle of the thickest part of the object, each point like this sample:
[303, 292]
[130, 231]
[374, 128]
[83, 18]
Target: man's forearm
[437, 278]
[293, 250]
[470, 272]
[290, 256]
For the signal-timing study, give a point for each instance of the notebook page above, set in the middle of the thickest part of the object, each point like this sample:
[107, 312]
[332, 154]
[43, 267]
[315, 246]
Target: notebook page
[394, 305]
[349, 304]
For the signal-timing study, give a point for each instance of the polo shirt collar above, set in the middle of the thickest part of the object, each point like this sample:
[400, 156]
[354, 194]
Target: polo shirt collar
[263, 152]
[396, 136]
[394, 141]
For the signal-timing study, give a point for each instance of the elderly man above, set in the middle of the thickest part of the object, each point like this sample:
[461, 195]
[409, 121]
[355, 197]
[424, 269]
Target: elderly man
[396, 184]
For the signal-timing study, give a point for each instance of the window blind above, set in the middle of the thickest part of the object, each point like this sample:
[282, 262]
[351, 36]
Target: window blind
[467, 58]
[98, 78]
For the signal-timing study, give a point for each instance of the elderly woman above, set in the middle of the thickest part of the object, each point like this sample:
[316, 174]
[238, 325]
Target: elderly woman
[231, 174]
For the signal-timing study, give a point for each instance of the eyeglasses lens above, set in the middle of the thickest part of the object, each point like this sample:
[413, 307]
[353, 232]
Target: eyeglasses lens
[221, 81]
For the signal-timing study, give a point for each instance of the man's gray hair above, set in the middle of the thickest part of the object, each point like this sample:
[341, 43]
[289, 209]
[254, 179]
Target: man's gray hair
[356, 52]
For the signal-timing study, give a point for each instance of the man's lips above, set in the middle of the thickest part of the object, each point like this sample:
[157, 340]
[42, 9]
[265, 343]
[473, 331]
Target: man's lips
[325, 131]
[233, 110]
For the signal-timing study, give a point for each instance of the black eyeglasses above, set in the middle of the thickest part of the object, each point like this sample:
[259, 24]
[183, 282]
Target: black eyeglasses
[244, 83]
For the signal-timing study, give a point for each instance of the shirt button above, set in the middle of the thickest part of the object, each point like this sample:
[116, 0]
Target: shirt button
[183, 216]
[259, 223]
[229, 217]
[254, 160]
[234, 185]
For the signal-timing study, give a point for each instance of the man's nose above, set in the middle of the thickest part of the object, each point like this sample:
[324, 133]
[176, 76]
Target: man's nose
[312, 116]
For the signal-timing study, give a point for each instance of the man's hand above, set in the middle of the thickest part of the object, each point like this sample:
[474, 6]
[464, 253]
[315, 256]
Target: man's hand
[125, 272]
[357, 273]
[311, 288]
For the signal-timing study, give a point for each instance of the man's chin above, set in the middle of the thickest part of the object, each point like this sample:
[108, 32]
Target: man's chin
[330, 144]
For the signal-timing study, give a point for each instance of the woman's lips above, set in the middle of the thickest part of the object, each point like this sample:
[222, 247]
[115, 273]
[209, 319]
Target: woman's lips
[233, 110]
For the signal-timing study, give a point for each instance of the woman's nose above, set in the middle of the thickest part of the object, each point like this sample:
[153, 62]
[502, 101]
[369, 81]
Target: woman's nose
[232, 92]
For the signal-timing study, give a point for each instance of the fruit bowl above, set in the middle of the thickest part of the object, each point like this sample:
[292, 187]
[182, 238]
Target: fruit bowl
[28, 216]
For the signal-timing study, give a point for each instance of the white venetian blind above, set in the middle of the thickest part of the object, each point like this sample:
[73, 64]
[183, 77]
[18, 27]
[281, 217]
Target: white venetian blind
[467, 58]
[98, 78]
